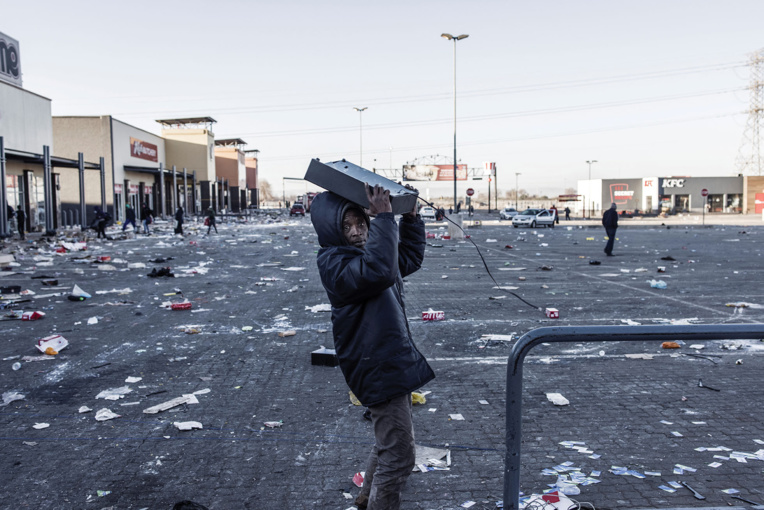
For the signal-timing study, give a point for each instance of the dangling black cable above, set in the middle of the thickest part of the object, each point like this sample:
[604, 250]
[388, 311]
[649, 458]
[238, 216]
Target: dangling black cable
[485, 264]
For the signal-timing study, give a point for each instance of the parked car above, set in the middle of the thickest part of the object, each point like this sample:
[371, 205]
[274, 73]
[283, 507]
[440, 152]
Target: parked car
[507, 213]
[427, 213]
[297, 210]
[533, 218]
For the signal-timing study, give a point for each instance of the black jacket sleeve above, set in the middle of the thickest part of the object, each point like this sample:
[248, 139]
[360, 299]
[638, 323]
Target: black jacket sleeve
[411, 246]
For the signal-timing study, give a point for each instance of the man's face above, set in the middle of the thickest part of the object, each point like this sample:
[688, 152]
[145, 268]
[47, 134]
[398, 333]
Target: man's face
[354, 228]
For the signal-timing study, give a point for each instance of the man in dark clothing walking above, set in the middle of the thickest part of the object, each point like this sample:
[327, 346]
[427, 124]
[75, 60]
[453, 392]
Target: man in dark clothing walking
[610, 222]
[179, 219]
[147, 217]
[362, 263]
[567, 213]
[211, 220]
[21, 222]
[101, 220]
[129, 218]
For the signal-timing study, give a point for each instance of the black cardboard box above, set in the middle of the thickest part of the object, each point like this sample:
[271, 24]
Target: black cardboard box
[324, 357]
[347, 180]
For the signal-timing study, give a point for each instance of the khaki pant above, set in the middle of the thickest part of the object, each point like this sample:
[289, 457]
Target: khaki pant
[392, 457]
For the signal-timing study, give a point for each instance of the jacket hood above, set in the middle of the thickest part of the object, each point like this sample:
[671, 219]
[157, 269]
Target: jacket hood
[326, 213]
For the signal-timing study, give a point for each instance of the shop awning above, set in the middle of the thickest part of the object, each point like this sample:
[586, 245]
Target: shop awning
[37, 159]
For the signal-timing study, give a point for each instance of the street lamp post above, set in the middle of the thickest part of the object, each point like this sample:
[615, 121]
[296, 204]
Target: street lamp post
[456, 38]
[517, 190]
[360, 125]
[589, 190]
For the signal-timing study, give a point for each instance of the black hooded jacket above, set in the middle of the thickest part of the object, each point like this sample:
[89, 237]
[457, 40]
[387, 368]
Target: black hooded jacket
[371, 334]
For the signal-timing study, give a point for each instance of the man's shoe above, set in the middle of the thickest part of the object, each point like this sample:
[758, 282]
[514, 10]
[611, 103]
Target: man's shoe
[362, 501]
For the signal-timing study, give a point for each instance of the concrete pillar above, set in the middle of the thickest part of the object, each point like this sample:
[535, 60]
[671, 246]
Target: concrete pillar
[453, 231]
[81, 174]
[3, 190]
[174, 192]
[186, 210]
[102, 168]
[47, 181]
[161, 209]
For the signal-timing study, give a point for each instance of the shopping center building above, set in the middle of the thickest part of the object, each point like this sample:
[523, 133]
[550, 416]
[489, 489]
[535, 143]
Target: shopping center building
[653, 195]
[58, 169]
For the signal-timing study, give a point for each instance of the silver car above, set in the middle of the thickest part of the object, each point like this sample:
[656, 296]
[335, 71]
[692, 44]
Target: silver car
[533, 218]
[427, 213]
[507, 213]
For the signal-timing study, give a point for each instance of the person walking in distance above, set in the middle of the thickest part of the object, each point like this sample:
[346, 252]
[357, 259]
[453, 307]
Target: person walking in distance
[556, 214]
[211, 220]
[21, 222]
[361, 263]
[610, 222]
[179, 219]
[567, 213]
[147, 218]
[129, 218]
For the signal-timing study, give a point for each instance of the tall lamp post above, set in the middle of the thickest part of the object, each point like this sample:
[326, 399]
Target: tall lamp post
[360, 124]
[456, 38]
[589, 189]
[517, 191]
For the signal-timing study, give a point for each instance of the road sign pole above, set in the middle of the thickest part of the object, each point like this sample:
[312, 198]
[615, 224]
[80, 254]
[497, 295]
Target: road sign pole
[704, 194]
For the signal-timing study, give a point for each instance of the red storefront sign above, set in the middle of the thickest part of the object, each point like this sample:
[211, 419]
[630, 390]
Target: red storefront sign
[143, 150]
[147, 190]
[133, 189]
[118, 189]
[759, 203]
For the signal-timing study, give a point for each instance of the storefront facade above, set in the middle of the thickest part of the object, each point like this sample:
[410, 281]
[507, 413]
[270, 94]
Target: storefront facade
[684, 194]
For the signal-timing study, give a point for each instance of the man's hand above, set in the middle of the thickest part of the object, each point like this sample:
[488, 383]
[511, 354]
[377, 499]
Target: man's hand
[379, 199]
[413, 212]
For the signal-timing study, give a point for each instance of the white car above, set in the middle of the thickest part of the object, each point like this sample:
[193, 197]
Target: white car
[427, 213]
[507, 213]
[533, 218]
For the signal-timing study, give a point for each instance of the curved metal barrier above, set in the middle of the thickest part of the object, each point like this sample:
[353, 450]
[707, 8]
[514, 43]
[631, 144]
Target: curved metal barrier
[531, 339]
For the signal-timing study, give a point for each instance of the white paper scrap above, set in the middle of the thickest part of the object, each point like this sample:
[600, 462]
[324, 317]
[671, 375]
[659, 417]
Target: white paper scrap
[105, 415]
[557, 399]
[187, 425]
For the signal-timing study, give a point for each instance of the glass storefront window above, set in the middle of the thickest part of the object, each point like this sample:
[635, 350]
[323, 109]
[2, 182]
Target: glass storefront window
[734, 203]
[716, 203]
[682, 203]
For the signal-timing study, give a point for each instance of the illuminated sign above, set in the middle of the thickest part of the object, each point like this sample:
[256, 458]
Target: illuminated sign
[673, 183]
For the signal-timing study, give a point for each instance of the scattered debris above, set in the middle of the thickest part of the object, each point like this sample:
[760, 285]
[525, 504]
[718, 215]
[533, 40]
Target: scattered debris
[187, 425]
[105, 415]
[557, 399]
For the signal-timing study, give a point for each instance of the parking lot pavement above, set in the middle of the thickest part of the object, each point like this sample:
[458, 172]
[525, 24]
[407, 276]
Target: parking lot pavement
[254, 281]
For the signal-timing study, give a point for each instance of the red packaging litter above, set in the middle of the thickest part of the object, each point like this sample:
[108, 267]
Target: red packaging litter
[358, 480]
[446, 237]
[32, 316]
[553, 313]
[104, 258]
[181, 306]
[430, 235]
[432, 315]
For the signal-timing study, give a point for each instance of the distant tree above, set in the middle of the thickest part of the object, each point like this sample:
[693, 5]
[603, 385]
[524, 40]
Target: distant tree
[266, 193]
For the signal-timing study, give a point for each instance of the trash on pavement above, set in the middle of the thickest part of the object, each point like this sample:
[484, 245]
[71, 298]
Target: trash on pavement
[670, 345]
[132, 380]
[557, 399]
[164, 406]
[594, 262]
[324, 307]
[186, 305]
[418, 398]
[284, 334]
[552, 313]
[11, 396]
[273, 424]
[432, 315]
[657, 284]
[105, 415]
[52, 344]
[456, 417]
[701, 385]
[324, 357]
[92, 320]
[114, 393]
[358, 478]
[40, 426]
[639, 356]
[353, 399]
[187, 425]
[84, 409]
[16, 366]
[32, 316]
[661, 269]
[78, 292]
[427, 456]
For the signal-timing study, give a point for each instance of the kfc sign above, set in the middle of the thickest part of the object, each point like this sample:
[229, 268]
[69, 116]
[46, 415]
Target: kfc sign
[673, 183]
[10, 64]
[143, 150]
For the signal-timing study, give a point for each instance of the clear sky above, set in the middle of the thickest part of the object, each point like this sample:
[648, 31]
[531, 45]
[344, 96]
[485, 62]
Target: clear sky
[646, 88]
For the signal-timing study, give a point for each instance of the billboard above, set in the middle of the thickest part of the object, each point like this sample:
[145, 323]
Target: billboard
[434, 172]
[10, 63]
[625, 193]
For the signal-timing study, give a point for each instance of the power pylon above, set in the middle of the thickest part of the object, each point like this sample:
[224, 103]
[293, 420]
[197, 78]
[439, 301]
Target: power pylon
[749, 160]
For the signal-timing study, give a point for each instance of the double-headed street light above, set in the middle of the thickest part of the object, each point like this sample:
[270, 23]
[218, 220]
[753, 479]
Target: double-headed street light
[360, 121]
[590, 190]
[455, 38]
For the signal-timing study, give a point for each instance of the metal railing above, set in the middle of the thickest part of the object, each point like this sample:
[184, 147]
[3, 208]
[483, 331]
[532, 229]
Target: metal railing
[531, 339]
